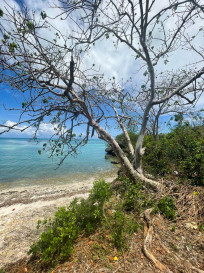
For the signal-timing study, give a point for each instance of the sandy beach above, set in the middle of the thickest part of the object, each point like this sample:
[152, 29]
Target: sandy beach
[22, 207]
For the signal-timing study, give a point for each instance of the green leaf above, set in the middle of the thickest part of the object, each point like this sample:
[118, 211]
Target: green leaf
[30, 25]
[12, 47]
[24, 104]
[6, 37]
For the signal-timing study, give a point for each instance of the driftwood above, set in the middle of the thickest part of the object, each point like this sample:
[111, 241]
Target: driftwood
[148, 231]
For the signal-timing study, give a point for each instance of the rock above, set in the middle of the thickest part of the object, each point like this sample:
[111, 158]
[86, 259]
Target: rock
[191, 225]
[114, 162]
[107, 156]
[110, 151]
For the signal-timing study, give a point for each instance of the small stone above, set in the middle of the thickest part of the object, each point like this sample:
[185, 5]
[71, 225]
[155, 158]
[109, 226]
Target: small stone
[191, 225]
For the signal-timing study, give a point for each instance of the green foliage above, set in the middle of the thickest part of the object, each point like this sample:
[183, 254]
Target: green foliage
[6, 37]
[101, 192]
[133, 198]
[24, 104]
[181, 150]
[166, 207]
[118, 229]
[30, 25]
[121, 225]
[173, 228]
[56, 242]
[122, 140]
[45, 100]
[58, 237]
[12, 47]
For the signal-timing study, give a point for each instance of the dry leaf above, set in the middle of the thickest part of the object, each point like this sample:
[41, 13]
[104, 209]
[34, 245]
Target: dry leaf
[111, 259]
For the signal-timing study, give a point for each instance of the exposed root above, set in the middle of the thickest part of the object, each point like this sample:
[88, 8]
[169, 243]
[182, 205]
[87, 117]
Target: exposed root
[148, 231]
[149, 183]
[156, 186]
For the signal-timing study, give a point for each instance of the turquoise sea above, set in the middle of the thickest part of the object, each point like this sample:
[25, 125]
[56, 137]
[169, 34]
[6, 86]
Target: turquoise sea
[21, 165]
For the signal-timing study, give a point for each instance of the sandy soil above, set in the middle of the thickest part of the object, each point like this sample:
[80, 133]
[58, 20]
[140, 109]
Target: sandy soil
[21, 208]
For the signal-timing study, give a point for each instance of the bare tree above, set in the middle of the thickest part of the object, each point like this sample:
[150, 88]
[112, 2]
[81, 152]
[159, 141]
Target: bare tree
[56, 86]
[144, 27]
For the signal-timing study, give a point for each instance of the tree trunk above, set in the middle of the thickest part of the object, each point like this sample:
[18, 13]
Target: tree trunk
[139, 150]
[123, 158]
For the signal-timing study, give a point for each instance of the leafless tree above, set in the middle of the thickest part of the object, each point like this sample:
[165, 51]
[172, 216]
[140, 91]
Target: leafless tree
[50, 74]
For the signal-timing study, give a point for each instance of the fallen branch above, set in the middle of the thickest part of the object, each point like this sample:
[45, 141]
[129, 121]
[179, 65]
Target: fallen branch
[148, 231]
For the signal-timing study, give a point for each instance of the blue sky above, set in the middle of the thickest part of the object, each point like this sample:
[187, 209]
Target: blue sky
[10, 99]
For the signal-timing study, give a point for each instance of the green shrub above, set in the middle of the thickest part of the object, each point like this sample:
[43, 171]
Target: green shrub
[121, 225]
[118, 228]
[181, 150]
[132, 196]
[166, 207]
[58, 237]
[101, 192]
[56, 242]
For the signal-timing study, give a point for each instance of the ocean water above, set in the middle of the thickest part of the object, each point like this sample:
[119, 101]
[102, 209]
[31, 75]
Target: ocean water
[20, 163]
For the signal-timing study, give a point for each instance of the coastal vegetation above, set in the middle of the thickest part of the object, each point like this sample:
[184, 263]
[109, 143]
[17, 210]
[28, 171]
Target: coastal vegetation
[178, 154]
[115, 212]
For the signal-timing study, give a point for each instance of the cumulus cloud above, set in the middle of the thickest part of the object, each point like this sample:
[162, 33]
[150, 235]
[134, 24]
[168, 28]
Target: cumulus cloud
[45, 130]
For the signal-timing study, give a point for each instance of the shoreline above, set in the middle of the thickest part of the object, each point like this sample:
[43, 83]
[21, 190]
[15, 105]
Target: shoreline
[22, 207]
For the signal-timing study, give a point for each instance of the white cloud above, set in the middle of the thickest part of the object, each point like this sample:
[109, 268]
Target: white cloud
[45, 130]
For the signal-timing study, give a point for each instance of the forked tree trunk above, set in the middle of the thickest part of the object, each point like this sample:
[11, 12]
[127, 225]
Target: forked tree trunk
[103, 134]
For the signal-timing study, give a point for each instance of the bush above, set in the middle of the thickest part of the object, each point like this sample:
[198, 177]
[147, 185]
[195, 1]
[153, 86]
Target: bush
[132, 196]
[181, 150]
[121, 225]
[166, 207]
[178, 151]
[56, 242]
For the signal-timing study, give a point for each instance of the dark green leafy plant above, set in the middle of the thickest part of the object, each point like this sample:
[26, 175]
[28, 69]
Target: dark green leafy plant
[121, 226]
[133, 198]
[180, 151]
[166, 207]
